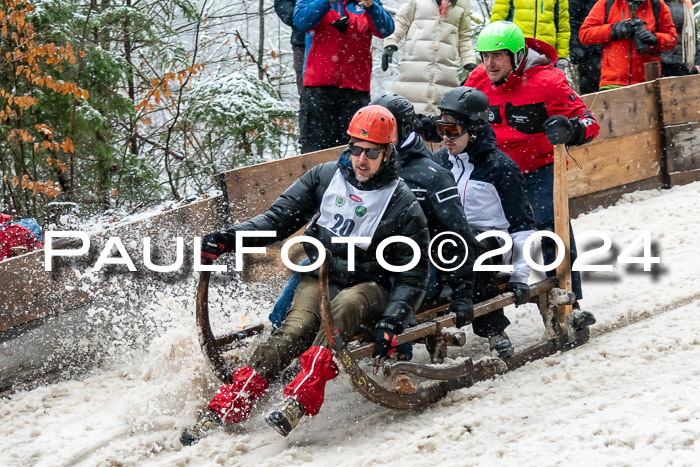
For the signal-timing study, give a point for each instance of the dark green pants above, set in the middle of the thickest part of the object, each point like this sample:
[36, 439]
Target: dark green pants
[360, 304]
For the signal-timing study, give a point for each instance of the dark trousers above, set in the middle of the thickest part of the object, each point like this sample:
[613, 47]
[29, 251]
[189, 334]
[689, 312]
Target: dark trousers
[539, 185]
[298, 64]
[589, 73]
[326, 112]
[673, 69]
[485, 287]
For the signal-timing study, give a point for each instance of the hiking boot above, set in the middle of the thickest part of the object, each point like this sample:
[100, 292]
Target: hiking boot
[500, 343]
[580, 319]
[208, 424]
[285, 419]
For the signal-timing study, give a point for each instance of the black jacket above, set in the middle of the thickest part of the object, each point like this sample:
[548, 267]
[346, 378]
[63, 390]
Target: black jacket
[578, 11]
[285, 10]
[675, 56]
[301, 202]
[437, 194]
[495, 196]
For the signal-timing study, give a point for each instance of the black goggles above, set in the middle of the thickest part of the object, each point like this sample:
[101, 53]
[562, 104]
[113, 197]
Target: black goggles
[357, 151]
[451, 130]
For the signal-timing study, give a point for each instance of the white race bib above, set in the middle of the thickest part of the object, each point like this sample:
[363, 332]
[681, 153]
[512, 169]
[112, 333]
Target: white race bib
[349, 212]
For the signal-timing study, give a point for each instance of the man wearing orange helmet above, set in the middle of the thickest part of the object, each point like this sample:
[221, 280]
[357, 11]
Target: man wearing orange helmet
[360, 195]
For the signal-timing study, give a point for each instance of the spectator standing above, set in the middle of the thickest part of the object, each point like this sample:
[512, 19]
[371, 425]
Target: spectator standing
[585, 57]
[533, 108]
[437, 37]
[633, 34]
[285, 11]
[684, 59]
[338, 65]
[545, 21]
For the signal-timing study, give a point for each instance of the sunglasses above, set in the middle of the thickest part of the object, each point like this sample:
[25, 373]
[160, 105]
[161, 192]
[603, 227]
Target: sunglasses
[357, 151]
[451, 130]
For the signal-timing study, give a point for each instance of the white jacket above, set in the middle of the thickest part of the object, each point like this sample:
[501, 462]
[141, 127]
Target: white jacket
[432, 52]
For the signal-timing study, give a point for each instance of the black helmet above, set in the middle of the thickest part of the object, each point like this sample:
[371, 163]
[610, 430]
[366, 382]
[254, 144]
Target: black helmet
[468, 105]
[403, 112]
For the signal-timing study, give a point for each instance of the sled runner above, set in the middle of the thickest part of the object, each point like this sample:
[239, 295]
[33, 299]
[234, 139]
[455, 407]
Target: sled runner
[431, 329]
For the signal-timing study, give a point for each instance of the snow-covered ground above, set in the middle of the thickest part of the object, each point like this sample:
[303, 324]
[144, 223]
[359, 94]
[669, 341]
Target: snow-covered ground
[628, 397]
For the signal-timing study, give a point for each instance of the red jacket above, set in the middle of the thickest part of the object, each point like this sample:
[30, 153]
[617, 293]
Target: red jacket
[520, 106]
[340, 59]
[622, 64]
[14, 235]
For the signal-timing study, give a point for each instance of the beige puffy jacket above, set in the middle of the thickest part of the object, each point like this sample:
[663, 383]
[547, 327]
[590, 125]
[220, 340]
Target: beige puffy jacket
[435, 49]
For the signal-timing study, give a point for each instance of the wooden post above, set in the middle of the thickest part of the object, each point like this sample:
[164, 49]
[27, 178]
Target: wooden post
[561, 225]
[652, 71]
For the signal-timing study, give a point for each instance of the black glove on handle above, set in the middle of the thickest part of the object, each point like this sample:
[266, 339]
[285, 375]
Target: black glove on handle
[622, 30]
[559, 129]
[384, 338]
[521, 291]
[214, 245]
[463, 308]
[386, 56]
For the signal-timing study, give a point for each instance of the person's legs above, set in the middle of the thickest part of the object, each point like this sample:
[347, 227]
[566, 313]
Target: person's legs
[589, 73]
[319, 125]
[349, 101]
[298, 64]
[539, 185]
[294, 336]
[360, 304]
[233, 402]
[485, 287]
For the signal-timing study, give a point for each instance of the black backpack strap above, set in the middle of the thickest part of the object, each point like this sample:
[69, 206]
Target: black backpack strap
[656, 8]
[608, 6]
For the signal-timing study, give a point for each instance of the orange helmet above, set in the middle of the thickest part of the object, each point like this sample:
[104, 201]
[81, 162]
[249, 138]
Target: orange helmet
[373, 123]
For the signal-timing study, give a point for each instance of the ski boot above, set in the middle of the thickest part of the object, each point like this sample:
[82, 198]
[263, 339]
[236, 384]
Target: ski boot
[209, 423]
[285, 419]
[500, 343]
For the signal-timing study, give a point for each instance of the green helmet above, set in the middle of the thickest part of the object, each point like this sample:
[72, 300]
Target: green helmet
[503, 35]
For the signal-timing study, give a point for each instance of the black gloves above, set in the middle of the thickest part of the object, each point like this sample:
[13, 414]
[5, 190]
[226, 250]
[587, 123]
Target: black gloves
[469, 67]
[646, 36]
[559, 129]
[384, 337]
[463, 308]
[214, 245]
[425, 126]
[521, 291]
[622, 30]
[386, 56]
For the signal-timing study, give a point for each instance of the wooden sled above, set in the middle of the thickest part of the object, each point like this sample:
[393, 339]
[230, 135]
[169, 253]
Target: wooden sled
[430, 328]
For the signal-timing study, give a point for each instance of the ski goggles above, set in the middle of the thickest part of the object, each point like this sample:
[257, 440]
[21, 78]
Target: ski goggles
[451, 130]
[357, 151]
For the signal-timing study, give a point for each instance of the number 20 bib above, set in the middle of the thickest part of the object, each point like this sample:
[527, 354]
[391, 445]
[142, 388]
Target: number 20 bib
[349, 212]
